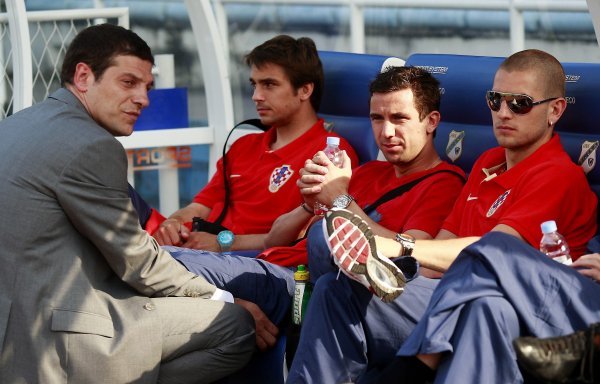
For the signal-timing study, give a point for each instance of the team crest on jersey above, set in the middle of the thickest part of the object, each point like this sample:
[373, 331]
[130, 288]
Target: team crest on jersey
[454, 147]
[499, 201]
[587, 158]
[279, 177]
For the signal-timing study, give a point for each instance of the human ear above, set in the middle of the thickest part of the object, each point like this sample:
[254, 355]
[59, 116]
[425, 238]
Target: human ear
[433, 119]
[306, 91]
[82, 77]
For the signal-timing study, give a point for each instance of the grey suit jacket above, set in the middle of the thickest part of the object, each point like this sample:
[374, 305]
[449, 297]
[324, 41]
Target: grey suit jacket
[76, 270]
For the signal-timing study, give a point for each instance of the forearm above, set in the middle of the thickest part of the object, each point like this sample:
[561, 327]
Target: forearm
[248, 242]
[287, 227]
[186, 214]
[437, 254]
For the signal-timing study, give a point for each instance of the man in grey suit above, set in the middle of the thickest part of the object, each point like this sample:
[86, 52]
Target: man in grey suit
[86, 295]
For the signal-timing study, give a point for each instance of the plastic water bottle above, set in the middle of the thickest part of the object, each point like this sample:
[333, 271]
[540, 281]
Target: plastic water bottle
[334, 153]
[302, 292]
[554, 244]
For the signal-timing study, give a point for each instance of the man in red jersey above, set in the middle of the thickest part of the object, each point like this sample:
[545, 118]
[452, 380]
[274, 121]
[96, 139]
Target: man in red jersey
[262, 169]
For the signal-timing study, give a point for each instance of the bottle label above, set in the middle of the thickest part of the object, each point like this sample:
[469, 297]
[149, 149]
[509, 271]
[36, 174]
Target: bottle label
[297, 305]
[563, 260]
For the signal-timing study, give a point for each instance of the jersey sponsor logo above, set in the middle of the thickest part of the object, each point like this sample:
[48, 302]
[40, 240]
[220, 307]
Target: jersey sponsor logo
[279, 177]
[499, 201]
[587, 158]
[469, 198]
[454, 148]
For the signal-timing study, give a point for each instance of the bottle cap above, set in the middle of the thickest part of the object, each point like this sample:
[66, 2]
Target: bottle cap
[301, 273]
[332, 140]
[549, 226]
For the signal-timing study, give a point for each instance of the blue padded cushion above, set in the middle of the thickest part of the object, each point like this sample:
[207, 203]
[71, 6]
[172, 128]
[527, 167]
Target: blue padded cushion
[345, 101]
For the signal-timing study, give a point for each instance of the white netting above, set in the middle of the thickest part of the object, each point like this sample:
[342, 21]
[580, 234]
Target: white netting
[6, 85]
[50, 35]
[49, 43]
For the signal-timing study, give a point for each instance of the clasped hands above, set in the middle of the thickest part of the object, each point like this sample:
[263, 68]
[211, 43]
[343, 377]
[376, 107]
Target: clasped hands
[321, 181]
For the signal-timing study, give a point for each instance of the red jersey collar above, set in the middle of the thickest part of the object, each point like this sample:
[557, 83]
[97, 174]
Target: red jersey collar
[314, 133]
[497, 161]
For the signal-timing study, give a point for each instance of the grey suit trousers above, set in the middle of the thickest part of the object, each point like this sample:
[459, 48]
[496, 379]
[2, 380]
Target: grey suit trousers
[200, 333]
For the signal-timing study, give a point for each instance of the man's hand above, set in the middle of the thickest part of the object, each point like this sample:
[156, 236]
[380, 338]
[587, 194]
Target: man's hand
[589, 265]
[171, 232]
[266, 332]
[321, 180]
[202, 240]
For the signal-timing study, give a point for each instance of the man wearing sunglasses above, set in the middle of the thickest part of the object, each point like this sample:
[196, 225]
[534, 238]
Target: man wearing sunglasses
[502, 282]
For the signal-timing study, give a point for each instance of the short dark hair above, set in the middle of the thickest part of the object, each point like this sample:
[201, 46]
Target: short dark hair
[548, 69]
[425, 87]
[298, 58]
[98, 45]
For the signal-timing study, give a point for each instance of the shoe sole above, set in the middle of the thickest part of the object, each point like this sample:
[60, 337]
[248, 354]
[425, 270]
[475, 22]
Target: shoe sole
[352, 245]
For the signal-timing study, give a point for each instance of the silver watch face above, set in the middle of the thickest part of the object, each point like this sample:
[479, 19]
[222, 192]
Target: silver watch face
[406, 238]
[342, 201]
[408, 243]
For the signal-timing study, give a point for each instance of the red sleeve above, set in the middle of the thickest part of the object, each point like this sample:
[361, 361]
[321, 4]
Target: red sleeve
[154, 221]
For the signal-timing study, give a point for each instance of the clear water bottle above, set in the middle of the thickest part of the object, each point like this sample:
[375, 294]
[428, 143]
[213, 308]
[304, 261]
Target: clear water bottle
[554, 244]
[334, 153]
[302, 292]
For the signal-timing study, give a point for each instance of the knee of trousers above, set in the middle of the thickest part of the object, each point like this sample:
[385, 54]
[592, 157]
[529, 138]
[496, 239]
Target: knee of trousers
[331, 290]
[497, 310]
[245, 325]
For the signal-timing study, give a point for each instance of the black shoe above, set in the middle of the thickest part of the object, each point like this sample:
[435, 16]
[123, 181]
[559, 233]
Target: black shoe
[565, 359]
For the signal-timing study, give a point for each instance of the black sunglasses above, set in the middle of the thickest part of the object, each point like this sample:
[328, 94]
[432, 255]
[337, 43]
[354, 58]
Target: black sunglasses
[516, 102]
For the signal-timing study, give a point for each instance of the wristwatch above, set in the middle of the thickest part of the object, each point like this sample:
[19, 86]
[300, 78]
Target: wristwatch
[408, 243]
[342, 201]
[225, 240]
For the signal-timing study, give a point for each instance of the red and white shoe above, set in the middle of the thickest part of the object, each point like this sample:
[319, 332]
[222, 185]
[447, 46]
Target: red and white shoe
[353, 248]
